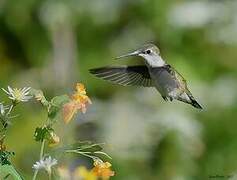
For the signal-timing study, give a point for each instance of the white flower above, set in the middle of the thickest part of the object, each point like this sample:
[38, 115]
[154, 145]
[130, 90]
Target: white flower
[18, 95]
[3, 109]
[45, 163]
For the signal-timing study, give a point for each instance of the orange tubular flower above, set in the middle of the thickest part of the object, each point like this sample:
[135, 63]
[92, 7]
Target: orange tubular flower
[80, 94]
[102, 169]
[79, 101]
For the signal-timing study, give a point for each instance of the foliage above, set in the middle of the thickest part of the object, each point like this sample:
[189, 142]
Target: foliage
[8, 172]
[43, 133]
[88, 149]
[46, 132]
[4, 157]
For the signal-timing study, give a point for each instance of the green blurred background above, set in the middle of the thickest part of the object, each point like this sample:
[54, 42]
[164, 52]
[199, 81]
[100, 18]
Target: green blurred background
[51, 44]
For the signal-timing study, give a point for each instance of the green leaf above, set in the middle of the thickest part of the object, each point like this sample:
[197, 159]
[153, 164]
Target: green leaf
[88, 149]
[60, 100]
[4, 157]
[9, 172]
[42, 133]
[87, 146]
[102, 153]
[53, 111]
[55, 105]
[39, 95]
[92, 148]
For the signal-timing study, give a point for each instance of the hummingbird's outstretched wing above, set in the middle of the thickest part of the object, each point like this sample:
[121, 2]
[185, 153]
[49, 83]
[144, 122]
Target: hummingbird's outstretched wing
[127, 75]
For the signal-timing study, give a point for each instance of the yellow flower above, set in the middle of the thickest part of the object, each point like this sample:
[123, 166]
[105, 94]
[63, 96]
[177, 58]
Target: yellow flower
[84, 174]
[79, 173]
[2, 147]
[54, 139]
[80, 94]
[79, 101]
[102, 169]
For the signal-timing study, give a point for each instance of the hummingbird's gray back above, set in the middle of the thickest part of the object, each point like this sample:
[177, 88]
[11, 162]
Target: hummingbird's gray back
[163, 79]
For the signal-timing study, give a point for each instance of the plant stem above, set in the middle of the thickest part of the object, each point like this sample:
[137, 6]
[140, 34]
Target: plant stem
[5, 121]
[35, 174]
[50, 175]
[42, 149]
[10, 109]
[41, 156]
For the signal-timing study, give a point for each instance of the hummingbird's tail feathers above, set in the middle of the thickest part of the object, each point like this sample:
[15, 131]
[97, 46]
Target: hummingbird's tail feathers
[126, 75]
[188, 98]
[195, 104]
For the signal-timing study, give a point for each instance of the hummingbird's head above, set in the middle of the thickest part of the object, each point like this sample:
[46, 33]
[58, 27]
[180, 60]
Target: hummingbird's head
[150, 53]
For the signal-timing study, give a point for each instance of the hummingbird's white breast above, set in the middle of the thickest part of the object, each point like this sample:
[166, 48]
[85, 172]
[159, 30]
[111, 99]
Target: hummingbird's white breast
[153, 60]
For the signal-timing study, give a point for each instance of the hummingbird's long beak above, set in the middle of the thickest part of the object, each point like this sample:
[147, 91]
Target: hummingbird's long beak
[135, 53]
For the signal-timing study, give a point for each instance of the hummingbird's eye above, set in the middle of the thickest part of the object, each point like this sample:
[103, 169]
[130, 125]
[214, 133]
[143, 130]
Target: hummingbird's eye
[148, 51]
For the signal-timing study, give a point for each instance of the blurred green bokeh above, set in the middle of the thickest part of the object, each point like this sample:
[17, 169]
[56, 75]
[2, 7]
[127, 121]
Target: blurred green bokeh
[51, 44]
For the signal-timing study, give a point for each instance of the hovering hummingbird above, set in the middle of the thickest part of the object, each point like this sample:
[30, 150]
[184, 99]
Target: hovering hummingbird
[155, 73]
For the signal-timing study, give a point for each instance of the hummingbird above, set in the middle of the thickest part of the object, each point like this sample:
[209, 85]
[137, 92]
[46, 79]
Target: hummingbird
[154, 73]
